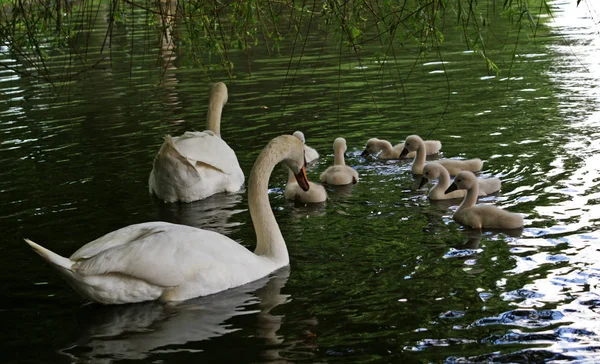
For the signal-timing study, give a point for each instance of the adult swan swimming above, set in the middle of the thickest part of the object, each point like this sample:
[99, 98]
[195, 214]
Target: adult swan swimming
[197, 164]
[170, 262]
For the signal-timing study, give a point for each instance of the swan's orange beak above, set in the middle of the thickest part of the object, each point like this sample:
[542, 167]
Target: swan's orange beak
[423, 182]
[452, 187]
[302, 179]
[404, 152]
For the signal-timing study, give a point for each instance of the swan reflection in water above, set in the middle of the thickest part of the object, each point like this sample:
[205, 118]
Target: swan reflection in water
[136, 331]
[212, 213]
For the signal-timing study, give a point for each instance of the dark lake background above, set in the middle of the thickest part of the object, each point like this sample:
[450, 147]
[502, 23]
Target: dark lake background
[378, 273]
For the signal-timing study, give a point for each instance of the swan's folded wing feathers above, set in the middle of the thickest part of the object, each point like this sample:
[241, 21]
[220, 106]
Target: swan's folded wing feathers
[204, 148]
[116, 238]
[167, 258]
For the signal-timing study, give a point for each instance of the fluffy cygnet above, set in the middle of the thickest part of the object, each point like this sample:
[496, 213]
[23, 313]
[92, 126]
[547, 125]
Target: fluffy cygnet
[434, 170]
[387, 151]
[480, 216]
[339, 173]
[414, 143]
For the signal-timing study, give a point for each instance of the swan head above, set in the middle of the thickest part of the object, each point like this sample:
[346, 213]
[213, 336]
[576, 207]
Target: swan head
[218, 90]
[464, 180]
[339, 145]
[411, 144]
[371, 148]
[300, 135]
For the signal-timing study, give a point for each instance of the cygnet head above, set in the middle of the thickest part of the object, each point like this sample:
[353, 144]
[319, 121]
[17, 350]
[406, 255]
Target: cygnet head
[431, 171]
[372, 147]
[293, 150]
[339, 145]
[300, 135]
[218, 90]
[412, 143]
[464, 180]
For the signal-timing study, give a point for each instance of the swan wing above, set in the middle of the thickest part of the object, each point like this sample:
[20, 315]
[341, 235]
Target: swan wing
[117, 238]
[166, 255]
[207, 149]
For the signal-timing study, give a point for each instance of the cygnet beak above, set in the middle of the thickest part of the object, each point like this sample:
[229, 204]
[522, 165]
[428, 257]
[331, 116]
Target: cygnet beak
[364, 153]
[452, 187]
[423, 182]
[302, 179]
[404, 152]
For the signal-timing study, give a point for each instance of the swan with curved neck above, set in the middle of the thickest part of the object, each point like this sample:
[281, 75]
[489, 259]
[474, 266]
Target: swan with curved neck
[310, 153]
[170, 262]
[315, 194]
[480, 216]
[197, 165]
[414, 143]
[339, 174]
[387, 151]
[434, 170]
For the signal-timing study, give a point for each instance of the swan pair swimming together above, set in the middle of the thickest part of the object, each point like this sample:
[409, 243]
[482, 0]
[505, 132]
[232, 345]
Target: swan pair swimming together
[170, 262]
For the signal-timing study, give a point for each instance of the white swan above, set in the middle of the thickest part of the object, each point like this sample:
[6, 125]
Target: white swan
[414, 143]
[387, 151]
[339, 173]
[481, 216]
[169, 262]
[434, 170]
[310, 153]
[196, 165]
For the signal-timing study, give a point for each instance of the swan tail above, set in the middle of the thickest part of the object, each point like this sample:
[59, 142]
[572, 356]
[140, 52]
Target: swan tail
[51, 257]
[169, 150]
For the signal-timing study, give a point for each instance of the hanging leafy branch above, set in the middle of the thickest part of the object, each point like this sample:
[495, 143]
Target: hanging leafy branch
[204, 33]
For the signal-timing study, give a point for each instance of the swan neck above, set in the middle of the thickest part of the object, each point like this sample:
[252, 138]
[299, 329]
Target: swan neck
[470, 198]
[338, 158]
[213, 116]
[444, 178]
[385, 146]
[269, 241]
[420, 155]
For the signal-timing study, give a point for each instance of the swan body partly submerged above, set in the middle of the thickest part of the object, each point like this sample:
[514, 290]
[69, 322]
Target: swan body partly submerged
[196, 165]
[480, 216]
[414, 143]
[310, 153]
[434, 170]
[387, 151]
[339, 173]
[170, 262]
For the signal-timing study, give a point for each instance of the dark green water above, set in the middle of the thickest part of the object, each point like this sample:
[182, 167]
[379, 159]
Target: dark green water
[378, 273]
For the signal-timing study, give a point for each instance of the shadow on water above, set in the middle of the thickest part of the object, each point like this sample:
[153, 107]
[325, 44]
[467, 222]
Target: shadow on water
[137, 331]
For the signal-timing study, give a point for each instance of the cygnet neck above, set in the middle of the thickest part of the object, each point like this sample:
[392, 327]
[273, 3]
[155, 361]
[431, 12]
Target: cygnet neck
[419, 161]
[470, 198]
[338, 157]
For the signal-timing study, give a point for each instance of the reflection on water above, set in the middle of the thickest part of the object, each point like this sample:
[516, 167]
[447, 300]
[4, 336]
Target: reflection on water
[213, 213]
[137, 331]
